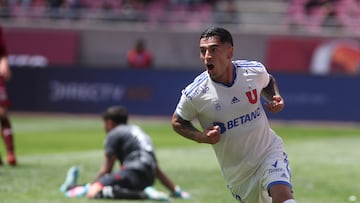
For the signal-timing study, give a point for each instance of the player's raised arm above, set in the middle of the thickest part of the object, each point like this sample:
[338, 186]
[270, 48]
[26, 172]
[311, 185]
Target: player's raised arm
[187, 129]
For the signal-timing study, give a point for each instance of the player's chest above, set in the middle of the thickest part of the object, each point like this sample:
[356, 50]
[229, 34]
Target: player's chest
[230, 101]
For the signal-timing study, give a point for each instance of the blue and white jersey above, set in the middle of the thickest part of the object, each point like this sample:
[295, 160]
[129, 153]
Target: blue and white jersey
[246, 137]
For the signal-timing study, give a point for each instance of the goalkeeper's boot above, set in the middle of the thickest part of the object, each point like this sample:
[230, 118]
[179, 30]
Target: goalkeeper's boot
[71, 179]
[1, 163]
[78, 191]
[156, 195]
[11, 159]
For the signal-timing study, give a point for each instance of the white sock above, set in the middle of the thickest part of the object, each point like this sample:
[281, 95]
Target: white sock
[290, 201]
[107, 192]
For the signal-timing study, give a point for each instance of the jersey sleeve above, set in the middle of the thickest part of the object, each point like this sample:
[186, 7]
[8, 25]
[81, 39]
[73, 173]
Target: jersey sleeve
[264, 77]
[185, 109]
[256, 70]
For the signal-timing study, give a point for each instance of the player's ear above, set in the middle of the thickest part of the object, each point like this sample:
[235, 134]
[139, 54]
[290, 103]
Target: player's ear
[108, 125]
[112, 124]
[230, 52]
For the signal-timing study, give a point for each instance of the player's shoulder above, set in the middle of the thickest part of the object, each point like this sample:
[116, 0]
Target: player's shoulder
[254, 66]
[133, 128]
[198, 83]
[120, 130]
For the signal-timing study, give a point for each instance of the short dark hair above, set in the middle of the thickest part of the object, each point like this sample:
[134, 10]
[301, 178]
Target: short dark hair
[118, 114]
[223, 34]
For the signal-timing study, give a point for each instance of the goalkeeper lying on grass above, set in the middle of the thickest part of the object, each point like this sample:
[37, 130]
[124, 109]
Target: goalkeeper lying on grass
[134, 150]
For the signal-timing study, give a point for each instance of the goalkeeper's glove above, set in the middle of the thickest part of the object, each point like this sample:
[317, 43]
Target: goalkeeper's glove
[178, 193]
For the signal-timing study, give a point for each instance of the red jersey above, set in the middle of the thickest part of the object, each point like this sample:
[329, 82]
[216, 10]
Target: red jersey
[4, 99]
[141, 60]
[3, 51]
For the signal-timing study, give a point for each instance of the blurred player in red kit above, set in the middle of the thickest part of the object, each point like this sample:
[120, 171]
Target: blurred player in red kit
[6, 131]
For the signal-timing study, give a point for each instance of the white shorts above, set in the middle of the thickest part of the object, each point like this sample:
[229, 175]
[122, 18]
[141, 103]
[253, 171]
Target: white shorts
[274, 170]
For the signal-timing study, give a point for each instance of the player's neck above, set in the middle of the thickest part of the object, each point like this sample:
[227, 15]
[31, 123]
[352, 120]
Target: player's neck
[228, 76]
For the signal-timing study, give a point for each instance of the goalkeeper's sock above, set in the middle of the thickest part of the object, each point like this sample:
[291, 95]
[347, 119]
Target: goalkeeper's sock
[290, 201]
[156, 195]
[116, 192]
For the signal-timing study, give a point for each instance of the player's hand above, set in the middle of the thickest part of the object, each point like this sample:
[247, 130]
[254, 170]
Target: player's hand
[276, 105]
[179, 193]
[212, 135]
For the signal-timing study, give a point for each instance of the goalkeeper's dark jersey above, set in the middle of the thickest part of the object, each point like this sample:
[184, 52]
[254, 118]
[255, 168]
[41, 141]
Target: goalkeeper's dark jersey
[132, 146]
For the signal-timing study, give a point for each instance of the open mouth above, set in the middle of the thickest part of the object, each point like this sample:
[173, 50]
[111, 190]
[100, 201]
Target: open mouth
[210, 66]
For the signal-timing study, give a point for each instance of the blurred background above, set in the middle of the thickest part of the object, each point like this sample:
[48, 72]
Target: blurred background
[79, 56]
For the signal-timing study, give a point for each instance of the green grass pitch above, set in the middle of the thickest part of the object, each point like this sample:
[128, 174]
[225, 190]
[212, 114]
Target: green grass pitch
[324, 159]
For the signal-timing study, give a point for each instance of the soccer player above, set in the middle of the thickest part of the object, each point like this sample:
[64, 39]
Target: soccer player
[6, 131]
[133, 148]
[226, 100]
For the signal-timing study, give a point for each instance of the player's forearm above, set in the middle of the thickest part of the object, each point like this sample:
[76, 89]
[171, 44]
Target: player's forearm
[102, 171]
[106, 166]
[185, 128]
[271, 90]
[165, 180]
[98, 176]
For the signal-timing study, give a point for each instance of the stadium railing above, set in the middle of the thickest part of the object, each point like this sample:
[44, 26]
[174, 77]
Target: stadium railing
[258, 16]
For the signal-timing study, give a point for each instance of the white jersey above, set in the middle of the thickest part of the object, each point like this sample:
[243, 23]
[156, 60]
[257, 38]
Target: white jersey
[246, 137]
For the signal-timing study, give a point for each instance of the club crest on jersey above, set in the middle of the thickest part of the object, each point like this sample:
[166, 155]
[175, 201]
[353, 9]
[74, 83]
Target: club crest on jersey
[252, 96]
